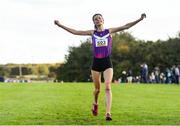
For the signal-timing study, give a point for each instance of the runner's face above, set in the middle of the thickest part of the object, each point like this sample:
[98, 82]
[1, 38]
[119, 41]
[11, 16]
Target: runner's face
[98, 20]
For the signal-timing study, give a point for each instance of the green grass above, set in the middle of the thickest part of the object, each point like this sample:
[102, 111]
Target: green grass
[70, 103]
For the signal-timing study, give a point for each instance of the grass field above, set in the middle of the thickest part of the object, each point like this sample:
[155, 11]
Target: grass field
[70, 103]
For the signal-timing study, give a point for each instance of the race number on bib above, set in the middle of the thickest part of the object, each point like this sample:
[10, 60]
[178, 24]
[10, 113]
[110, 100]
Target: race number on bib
[101, 42]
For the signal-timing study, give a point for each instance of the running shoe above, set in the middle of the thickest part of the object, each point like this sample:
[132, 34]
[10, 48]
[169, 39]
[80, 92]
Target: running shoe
[108, 117]
[95, 109]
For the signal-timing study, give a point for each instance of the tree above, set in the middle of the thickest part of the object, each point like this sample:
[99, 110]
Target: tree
[77, 64]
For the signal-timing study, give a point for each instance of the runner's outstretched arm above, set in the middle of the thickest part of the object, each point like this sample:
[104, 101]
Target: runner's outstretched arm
[73, 31]
[128, 25]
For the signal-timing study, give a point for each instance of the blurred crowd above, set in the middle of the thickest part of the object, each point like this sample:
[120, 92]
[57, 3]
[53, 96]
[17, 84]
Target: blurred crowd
[168, 76]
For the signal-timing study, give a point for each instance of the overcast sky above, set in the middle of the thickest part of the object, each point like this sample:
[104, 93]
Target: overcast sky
[28, 35]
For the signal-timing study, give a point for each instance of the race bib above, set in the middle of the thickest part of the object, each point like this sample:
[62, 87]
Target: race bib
[100, 42]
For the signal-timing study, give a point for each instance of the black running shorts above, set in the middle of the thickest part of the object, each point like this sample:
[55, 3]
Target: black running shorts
[101, 64]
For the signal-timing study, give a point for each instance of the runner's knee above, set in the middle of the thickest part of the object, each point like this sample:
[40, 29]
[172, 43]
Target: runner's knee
[97, 91]
[108, 85]
[107, 82]
[108, 88]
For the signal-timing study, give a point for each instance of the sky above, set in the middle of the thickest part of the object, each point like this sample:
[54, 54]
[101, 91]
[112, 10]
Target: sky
[28, 33]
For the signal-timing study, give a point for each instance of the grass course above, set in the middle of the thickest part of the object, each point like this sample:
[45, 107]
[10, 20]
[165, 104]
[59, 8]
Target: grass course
[70, 104]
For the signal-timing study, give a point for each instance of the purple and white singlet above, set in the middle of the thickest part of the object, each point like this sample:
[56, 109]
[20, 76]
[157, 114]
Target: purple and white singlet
[102, 44]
